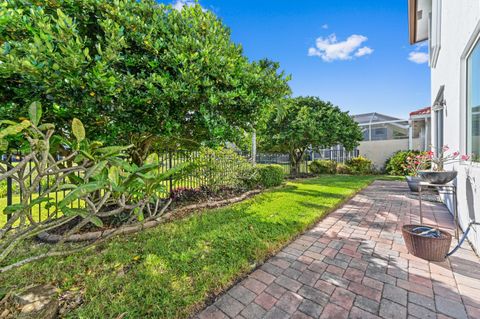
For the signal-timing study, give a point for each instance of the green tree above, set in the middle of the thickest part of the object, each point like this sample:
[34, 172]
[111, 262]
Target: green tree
[307, 122]
[131, 71]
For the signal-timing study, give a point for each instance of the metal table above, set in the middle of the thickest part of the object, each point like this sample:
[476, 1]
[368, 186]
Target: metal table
[449, 188]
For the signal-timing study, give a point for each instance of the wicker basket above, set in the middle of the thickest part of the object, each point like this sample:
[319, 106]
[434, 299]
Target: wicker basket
[433, 249]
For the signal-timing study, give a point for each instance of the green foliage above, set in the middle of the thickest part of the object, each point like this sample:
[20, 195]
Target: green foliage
[270, 175]
[170, 271]
[397, 164]
[100, 177]
[305, 122]
[222, 167]
[360, 165]
[131, 69]
[323, 167]
[343, 169]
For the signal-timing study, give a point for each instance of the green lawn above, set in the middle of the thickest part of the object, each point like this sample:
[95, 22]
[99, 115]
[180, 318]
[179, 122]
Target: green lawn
[170, 271]
[39, 212]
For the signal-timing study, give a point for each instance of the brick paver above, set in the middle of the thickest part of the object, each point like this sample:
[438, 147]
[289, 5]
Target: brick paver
[354, 264]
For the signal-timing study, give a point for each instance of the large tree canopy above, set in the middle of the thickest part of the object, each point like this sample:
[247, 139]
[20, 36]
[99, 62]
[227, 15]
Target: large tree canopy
[131, 69]
[307, 122]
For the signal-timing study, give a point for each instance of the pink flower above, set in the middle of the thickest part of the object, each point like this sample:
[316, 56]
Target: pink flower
[465, 157]
[445, 148]
[456, 154]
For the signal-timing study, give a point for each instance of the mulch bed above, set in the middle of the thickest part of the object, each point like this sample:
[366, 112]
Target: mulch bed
[184, 202]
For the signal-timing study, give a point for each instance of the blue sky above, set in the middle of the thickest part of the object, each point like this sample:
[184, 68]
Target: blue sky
[354, 53]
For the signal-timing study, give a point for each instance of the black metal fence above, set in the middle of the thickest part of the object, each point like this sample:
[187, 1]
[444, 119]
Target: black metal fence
[215, 168]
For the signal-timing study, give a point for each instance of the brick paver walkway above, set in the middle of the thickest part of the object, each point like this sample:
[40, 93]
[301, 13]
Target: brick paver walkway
[353, 264]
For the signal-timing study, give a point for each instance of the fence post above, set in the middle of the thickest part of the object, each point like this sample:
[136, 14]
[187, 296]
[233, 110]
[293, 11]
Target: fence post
[9, 188]
[254, 147]
[170, 179]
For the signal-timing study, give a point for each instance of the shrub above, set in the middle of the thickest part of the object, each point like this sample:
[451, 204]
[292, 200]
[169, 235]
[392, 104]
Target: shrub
[343, 169]
[222, 167]
[142, 59]
[270, 175]
[360, 165]
[323, 167]
[112, 188]
[397, 163]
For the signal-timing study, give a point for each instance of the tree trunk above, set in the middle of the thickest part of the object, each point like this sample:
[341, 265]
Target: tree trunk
[141, 149]
[295, 161]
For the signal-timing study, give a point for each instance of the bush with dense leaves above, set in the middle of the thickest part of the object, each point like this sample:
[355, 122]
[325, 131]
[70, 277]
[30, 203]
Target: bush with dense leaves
[131, 71]
[360, 165]
[221, 167]
[323, 167]
[343, 169]
[397, 163]
[270, 175]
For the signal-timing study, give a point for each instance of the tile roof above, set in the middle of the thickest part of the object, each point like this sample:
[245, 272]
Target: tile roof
[424, 111]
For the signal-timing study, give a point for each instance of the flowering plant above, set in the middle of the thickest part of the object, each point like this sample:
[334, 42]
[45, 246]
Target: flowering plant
[416, 163]
[436, 162]
[444, 157]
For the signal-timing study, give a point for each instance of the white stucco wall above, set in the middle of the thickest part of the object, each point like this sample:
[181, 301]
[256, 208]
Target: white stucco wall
[379, 151]
[458, 22]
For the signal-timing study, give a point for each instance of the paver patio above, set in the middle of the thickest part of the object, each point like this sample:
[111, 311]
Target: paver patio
[353, 264]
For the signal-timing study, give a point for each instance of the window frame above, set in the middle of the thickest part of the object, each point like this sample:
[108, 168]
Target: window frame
[463, 121]
[435, 32]
[475, 45]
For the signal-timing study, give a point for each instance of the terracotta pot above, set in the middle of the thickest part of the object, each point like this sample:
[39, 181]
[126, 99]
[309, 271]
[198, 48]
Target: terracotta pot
[438, 177]
[432, 249]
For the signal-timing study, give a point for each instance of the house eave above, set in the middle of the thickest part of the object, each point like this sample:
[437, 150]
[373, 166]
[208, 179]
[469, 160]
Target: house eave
[413, 23]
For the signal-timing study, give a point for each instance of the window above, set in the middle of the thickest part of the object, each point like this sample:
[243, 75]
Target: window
[379, 133]
[366, 135]
[473, 102]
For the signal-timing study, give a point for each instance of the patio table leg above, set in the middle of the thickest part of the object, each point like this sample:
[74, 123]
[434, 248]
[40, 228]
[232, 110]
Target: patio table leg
[420, 203]
[455, 213]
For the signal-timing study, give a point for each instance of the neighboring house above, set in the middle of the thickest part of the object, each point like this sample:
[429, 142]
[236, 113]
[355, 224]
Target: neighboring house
[420, 122]
[452, 28]
[383, 135]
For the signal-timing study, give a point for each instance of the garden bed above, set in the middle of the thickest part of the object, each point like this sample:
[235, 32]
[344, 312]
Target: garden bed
[171, 271]
[181, 207]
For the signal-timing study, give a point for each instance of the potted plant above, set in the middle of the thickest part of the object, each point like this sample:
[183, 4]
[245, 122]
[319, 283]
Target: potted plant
[437, 173]
[415, 164]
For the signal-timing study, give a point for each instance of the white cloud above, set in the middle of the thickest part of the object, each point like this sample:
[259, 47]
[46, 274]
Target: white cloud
[325, 26]
[330, 49]
[418, 57]
[179, 4]
[363, 51]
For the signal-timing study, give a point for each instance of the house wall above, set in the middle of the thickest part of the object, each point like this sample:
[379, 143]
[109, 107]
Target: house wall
[459, 19]
[379, 151]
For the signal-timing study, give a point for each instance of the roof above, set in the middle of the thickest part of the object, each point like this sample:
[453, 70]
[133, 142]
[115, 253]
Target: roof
[425, 111]
[373, 118]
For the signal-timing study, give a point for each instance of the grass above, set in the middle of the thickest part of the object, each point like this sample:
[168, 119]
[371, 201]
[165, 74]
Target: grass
[170, 271]
[39, 212]
[390, 178]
